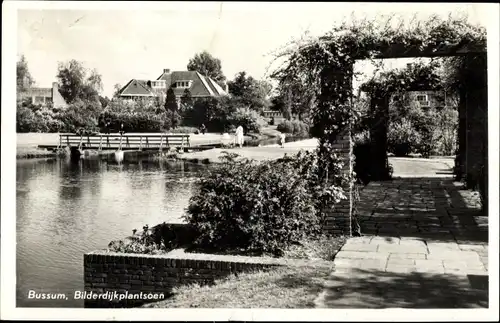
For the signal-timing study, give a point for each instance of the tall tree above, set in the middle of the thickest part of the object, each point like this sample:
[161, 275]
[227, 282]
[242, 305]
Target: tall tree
[187, 99]
[24, 78]
[116, 89]
[104, 101]
[249, 91]
[171, 108]
[208, 65]
[76, 83]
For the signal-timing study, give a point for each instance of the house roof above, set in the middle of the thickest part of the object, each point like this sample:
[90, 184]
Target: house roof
[201, 86]
[136, 88]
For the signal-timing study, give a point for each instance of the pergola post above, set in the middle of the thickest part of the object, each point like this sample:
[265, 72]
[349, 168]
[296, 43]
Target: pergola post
[379, 107]
[461, 160]
[476, 111]
[339, 216]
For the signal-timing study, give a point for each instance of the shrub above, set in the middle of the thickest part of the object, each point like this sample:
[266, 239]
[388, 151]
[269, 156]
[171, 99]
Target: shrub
[446, 131]
[78, 116]
[27, 120]
[184, 129]
[294, 127]
[402, 138]
[143, 243]
[135, 122]
[260, 207]
[250, 120]
[37, 118]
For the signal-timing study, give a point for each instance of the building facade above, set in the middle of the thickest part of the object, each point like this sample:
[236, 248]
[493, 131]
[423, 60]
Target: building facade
[44, 96]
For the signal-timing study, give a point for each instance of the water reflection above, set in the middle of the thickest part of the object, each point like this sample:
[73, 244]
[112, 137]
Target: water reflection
[65, 209]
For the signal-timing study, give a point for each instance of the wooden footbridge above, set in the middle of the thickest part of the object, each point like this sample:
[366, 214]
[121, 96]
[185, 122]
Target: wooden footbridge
[146, 142]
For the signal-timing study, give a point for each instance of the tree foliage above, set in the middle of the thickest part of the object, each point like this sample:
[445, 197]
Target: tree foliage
[250, 92]
[260, 207]
[207, 65]
[77, 83]
[172, 108]
[24, 78]
[325, 64]
[187, 101]
[116, 90]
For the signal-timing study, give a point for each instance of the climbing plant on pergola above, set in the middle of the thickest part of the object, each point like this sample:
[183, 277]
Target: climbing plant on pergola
[325, 64]
[393, 84]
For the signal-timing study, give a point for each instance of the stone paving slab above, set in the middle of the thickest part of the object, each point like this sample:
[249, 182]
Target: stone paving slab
[424, 247]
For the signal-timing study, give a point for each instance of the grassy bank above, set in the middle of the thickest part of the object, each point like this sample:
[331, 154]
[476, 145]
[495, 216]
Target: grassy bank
[33, 152]
[293, 286]
[257, 153]
[284, 287]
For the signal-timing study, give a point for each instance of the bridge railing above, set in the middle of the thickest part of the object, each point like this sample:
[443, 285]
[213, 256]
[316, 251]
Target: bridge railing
[132, 141]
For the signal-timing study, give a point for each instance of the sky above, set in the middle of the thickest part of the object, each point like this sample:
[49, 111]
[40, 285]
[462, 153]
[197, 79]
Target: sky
[129, 40]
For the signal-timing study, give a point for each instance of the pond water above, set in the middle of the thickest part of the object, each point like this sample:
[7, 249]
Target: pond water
[271, 141]
[66, 209]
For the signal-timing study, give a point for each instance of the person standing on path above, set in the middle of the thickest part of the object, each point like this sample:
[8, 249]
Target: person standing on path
[239, 136]
[282, 140]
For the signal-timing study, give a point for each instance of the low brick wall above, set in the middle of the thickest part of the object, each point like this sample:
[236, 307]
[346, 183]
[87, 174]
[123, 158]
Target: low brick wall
[106, 272]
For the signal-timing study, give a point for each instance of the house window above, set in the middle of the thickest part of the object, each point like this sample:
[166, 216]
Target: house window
[39, 100]
[421, 98]
[158, 84]
[182, 84]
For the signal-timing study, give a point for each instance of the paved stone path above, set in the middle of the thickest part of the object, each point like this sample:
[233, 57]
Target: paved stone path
[258, 153]
[425, 245]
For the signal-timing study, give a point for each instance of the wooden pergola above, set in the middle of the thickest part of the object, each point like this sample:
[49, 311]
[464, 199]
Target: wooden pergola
[327, 62]
[473, 106]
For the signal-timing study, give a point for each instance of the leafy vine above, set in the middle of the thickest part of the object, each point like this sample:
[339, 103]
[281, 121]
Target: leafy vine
[325, 65]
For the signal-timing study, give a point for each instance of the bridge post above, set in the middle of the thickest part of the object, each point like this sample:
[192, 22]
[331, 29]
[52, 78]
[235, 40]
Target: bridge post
[140, 144]
[161, 142]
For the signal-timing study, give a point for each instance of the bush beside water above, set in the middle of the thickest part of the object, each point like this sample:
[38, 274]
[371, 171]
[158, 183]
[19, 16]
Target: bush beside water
[294, 127]
[260, 207]
[246, 207]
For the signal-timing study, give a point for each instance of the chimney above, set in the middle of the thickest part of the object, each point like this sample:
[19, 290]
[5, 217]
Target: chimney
[166, 70]
[55, 88]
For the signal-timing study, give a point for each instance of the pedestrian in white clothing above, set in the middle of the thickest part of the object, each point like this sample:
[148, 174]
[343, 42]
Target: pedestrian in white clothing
[282, 140]
[239, 136]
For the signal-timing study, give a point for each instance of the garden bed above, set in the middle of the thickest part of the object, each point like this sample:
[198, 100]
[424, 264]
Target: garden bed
[201, 277]
[166, 237]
